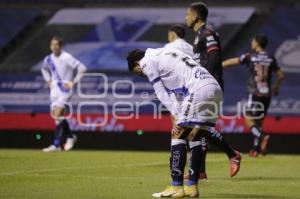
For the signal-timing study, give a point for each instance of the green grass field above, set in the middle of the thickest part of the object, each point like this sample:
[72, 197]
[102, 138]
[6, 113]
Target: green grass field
[136, 175]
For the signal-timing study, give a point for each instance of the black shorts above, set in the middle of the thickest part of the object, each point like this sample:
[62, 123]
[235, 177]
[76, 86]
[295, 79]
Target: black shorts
[258, 105]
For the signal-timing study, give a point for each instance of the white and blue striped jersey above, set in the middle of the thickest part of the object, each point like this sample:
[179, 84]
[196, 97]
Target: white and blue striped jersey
[171, 71]
[61, 69]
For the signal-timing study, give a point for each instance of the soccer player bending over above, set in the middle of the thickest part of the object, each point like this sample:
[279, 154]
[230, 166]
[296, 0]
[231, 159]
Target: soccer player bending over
[58, 71]
[261, 65]
[173, 71]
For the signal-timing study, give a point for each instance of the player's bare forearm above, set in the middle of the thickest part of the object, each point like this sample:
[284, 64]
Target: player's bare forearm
[231, 62]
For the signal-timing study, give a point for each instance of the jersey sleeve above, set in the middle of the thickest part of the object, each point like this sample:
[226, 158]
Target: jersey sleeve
[211, 42]
[244, 58]
[166, 99]
[76, 64]
[45, 70]
[150, 69]
[73, 62]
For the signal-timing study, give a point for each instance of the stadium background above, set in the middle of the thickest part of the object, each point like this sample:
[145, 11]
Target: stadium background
[100, 33]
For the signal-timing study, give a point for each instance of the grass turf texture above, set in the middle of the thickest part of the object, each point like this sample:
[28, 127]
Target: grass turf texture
[136, 175]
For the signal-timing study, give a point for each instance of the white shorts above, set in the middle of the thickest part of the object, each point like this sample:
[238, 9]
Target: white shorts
[58, 97]
[201, 108]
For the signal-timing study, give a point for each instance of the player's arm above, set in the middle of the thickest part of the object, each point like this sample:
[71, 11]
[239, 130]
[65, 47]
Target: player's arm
[279, 78]
[80, 68]
[213, 53]
[162, 94]
[243, 59]
[150, 69]
[231, 62]
[46, 73]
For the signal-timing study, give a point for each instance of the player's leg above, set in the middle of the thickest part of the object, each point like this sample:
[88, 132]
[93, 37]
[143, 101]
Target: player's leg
[256, 131]
[66, 131]
[258, 107]
[218, 140]
[177, 164]
[202, 150]
[208, 107]
[71, 138]
[195, 143]
[57, 115]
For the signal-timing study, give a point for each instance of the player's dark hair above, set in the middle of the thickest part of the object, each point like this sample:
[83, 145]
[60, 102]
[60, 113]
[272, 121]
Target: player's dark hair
[262, 40]
[201, 10]
[178, 29]
[59, 39]
[133, 57]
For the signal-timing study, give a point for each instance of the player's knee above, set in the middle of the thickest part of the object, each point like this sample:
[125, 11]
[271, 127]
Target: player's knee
[197, 134]
[182, 133]
[58, 120]
[175, 142]
[57, 112]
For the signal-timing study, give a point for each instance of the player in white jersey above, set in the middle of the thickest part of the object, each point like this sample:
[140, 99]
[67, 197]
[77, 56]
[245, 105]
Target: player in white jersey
[172, 71]
[59, 70]
[176, 34]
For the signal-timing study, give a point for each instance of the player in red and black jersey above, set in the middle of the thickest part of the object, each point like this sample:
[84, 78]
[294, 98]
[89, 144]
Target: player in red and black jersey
[207, 45]
[261, 66]
[207, 50]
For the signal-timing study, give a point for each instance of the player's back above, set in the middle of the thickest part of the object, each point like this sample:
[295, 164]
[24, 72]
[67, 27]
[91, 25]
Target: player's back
[181, 45]
[261, 65]
[179, 72]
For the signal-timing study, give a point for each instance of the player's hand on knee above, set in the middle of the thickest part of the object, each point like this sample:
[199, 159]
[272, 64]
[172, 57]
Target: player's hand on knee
[176, 131]
[195, 133]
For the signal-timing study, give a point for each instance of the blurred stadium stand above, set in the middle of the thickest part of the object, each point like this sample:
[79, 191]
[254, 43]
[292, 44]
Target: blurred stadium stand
[13, 24]
[24, 42]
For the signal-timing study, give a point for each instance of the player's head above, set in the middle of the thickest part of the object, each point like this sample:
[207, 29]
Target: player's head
[196, 12]
[176, 31]
[133, 59]
[259, 42]
[56, 44]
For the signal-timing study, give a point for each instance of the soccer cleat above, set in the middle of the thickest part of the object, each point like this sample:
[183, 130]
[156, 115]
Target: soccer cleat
[70, 143]
[51, 148]
[235, 163]
[253, 154]
[264, 144]
[191, 191]
[202, 176]
[170, 192]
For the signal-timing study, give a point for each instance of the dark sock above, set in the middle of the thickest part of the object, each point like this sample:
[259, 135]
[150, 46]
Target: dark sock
[257, 133]
[217, 139]
[195, 162]
[58, 135]
[177, 161]
[203, 151]
[66, 129]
